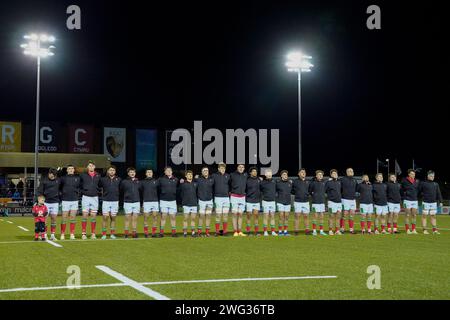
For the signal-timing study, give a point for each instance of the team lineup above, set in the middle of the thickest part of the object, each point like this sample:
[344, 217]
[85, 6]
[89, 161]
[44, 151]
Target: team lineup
[239, 193]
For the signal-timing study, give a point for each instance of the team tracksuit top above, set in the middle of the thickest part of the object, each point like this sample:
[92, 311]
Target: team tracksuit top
[379, 193]
[39, 209]
[365, 192]
[349, 185]
[149, 187]
[317, 191]
[89, 184]
[410, 190]
[110, 187]
[333, 190]
[268, 190]
[168, 188]
[205, 188]
[300, 188]
[221, 184]
[131, 188]
[70, 187]
[188, 193]
[50, 190]
[253, 194]
[238, 183]
[393, 192]
[284, 190]
[430, 191]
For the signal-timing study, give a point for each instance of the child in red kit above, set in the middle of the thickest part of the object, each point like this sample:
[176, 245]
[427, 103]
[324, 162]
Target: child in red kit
[40, 212]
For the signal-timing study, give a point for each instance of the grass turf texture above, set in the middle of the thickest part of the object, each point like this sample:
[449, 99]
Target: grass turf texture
[412, 266]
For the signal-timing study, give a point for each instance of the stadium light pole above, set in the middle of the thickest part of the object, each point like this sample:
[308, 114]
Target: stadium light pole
[37, 48]
[298, 62]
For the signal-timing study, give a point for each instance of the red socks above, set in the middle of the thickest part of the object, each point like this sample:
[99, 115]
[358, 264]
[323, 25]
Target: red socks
[413, 226]
[406, 227]
[146, 230]
[225, 227]
[72, 228]
[217, 227]
[63, 228]
[153, 230]
[83, 226]
[363, 225]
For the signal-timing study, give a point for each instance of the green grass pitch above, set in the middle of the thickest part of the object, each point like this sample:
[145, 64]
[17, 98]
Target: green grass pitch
[412, 266]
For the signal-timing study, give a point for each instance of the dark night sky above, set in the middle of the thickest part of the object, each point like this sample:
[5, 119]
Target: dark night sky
[371, 93]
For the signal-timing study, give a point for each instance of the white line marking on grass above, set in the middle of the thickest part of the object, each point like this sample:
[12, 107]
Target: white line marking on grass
[54, 243]
[24, 229]
[122, 284]
[238, 279]
[136, 285]
[10, 222]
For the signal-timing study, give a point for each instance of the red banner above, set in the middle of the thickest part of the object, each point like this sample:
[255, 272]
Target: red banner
[81, 138]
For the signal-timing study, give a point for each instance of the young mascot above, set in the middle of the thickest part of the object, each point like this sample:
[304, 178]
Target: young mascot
[40, 212]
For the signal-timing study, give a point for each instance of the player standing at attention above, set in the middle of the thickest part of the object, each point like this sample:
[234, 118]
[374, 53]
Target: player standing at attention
[189, 201]
[317, 191]
[300, 189]
[40, 212]
[149, 188]
[380, 203]
[284, 191]
[168, 200]
[205, 186]
[253, 199]
[70, 193]
[269, 193]
[89, 183]
[221, 198]
[110, 185]
[349, 184]
[393, 199]
[365, 191]
[131, 188]
[431, 196]
[238, 181]
[410, 191]
[49, 188]
[333, 190]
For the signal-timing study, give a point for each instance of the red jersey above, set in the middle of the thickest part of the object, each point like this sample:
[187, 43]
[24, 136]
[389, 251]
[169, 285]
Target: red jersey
[39, 209]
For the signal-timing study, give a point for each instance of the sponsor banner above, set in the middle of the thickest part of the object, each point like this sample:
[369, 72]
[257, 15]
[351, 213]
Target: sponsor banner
[114, 143]
[81, 138]
[15, 210]
[49, 137]
[146, 142]
[10, 136]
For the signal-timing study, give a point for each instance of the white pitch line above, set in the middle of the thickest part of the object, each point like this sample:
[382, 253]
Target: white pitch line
[24, 229]
[122, 284]
[238, 279]
[136, 285]
[10, 222]
[54, 243]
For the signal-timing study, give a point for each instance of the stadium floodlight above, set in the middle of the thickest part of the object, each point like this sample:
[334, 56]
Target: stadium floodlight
[38, 46]
[298, 62]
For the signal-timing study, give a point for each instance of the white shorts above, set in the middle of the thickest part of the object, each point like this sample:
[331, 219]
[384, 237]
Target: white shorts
[365, 208]
[221, 203]
[429, 208]
[189, 209]
[151, 206]
[283, 207]
[110, 207]
[169, 207]
[89, 203]
[411, 204]
[69, 206]
[268, 206]
[205, 205]
[381, 210]
[53, 208]
[132, 207]
[237, 204]
[394, 207]
[318, 207]
[349, 204]
[253, 206]
[301, 207]
[334, 207]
